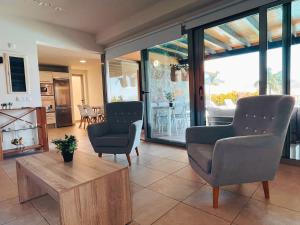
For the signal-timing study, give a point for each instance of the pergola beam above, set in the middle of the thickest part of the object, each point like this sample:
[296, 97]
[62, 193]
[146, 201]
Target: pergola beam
[253, 23]
[230, 32]
[170, 50]
[175, 47]
[216, 42]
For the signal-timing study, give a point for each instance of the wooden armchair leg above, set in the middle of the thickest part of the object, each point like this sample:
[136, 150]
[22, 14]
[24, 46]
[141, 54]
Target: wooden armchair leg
[80, 122]
[266, 189]
[128, 159]
[216, 191]
[137, 151]
[100, 155]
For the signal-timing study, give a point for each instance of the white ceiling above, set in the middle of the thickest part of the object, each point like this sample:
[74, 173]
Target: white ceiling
[64, 57]
[110, 20]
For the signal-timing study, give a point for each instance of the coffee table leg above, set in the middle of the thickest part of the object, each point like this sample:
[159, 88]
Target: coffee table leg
[27, 188]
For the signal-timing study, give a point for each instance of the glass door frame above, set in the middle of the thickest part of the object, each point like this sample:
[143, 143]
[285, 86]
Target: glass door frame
[146, 98]
[196, 60]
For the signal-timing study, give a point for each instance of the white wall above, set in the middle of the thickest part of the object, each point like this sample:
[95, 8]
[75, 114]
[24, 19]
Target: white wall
[94, 85]
[25, 34]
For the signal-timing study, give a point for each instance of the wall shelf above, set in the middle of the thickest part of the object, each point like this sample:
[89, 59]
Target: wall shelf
[21, 129]
[40, 124]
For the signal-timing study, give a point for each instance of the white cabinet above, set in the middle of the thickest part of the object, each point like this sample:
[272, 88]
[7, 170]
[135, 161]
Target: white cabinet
[58, 75]
[46, 77]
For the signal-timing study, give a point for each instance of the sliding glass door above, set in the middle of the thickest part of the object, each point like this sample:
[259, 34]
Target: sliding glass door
[246, 55]
[295, 80]
[231, 67]
[123, 78]
[167, 95]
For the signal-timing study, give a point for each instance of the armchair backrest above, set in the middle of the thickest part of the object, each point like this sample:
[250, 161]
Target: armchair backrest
[120, 115]
[263, 115]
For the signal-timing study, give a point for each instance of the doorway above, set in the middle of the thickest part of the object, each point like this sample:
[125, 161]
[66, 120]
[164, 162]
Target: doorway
[77, 94]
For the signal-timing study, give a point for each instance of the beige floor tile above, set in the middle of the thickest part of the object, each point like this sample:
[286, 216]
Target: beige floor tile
[284, 190]
[144, 176]
[162, 151]
[30, 219]
[230, 204]
[189, 174]
[175, 187]
[185, 215]
[11, 210]
[260, 213]
[166, 165]
[285, 195]
[48, 208]
[180, 156]
[135, 187]
[243, 189]
[8, 189]
[148, 206]
[144, 158]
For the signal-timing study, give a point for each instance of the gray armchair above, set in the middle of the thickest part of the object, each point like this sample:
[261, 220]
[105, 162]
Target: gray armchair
[121, 131]
[248, 150]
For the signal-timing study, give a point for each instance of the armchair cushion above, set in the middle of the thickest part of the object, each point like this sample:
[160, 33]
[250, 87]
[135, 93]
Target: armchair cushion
[201, 154]
[112, 140]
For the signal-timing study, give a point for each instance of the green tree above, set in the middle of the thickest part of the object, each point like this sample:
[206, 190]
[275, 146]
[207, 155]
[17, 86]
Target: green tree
[212, 79]
[274, 82]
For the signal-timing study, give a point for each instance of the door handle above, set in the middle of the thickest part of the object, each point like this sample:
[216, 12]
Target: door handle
[145, 92]
[201, 93]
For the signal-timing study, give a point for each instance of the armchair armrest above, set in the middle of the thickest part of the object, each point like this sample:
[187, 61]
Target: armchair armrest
[246, 158]
[135, 130]
[97, 130]
[208, 134]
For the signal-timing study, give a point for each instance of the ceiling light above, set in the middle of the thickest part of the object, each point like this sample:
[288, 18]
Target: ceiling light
[82, 61]
[156, 63]
[58, 9]
[47, 4]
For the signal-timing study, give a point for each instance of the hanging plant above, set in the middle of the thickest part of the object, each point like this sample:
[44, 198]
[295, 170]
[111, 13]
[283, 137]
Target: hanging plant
[123, 82]
[133, 81]
[175, 72]
[184, 74]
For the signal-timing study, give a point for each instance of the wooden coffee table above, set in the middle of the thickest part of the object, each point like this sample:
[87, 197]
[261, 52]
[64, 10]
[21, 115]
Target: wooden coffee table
[89, 190]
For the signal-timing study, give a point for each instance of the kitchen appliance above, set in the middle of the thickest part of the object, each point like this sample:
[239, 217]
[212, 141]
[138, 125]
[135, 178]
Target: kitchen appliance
[46, 89]
[63, 107]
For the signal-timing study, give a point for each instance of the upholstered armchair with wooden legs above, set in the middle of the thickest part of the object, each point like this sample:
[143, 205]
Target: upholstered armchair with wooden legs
[248, 150]
[120, 133]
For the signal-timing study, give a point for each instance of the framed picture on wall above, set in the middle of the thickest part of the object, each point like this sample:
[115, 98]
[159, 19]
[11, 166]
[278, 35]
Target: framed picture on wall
[16, 73]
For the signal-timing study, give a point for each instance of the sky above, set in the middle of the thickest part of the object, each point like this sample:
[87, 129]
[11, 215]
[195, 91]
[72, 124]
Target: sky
[240, 72]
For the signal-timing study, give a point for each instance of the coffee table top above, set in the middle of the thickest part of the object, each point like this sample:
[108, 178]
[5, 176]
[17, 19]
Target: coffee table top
[50, 169]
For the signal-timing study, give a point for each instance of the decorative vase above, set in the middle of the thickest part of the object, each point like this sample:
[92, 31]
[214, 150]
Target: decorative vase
[68, 157]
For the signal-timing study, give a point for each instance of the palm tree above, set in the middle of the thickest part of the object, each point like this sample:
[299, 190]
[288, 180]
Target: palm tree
[211, 79]
[274, 82]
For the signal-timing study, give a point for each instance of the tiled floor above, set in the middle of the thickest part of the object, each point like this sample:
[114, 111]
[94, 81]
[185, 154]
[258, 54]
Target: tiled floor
[166, 191]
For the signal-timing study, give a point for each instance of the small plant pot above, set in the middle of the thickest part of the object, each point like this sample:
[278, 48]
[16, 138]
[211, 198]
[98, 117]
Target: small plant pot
[171, 104]
[68, 157]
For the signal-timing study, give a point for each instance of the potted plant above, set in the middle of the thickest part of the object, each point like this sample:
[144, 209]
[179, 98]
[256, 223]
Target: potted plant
[170, 97]
[66, 146]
